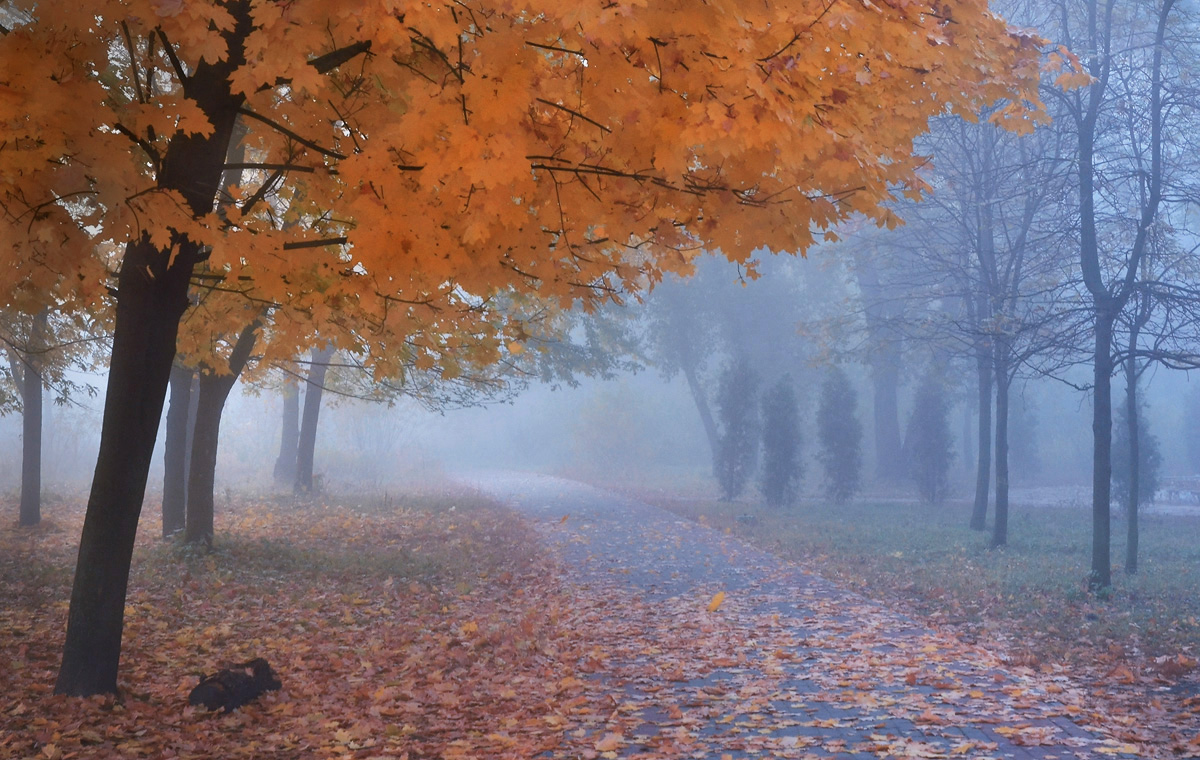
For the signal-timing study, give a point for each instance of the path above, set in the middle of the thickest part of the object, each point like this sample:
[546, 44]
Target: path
[788, 666]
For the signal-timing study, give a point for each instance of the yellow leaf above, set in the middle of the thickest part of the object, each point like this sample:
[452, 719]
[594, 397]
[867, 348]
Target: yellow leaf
[609, 743]
[715, 604]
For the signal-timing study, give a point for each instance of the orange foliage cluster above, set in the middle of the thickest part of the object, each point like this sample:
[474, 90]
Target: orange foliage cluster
[460, 150]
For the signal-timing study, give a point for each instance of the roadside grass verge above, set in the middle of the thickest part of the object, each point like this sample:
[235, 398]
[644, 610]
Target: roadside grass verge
[1032, 594]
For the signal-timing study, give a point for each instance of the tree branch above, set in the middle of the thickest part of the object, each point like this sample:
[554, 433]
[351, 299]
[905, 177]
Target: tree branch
[576, 113]
[319, 243]
[330, 61]
[289, 133]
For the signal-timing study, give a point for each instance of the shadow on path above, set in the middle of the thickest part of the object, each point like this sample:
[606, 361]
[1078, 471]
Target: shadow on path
[788, 665]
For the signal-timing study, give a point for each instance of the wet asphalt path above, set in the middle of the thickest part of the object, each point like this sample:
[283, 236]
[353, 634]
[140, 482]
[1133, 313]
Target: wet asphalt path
[790, 666]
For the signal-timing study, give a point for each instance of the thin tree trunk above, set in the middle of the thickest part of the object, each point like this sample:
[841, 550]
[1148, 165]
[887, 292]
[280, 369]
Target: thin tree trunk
[706, 417]
[151, 298]
[285, 465]
[214, 390]
[315, 386]
[175, 457]
[1135, 462]
[1000, 528]
[983, 473]
[1101, 572]
[885, 371]
[31, 424]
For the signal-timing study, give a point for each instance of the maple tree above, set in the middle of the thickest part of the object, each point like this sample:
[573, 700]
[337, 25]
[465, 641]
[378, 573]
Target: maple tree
[430, 155]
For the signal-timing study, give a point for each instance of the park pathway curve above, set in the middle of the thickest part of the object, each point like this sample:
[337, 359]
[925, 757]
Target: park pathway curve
[786, 665]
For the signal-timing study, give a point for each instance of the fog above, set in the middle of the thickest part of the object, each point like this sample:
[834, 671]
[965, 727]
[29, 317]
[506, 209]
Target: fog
[641, 427]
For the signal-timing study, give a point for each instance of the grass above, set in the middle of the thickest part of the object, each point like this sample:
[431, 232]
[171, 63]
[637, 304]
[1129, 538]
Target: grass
[1032, 592]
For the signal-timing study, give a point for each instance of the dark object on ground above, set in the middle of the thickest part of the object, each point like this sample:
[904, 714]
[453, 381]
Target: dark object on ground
[231, 688]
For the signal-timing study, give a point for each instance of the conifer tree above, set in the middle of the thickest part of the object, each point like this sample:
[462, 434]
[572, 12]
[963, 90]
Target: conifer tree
[781, 467]
[840, 435]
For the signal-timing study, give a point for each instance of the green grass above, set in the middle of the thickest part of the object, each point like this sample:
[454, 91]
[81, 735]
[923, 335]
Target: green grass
[1033, 591]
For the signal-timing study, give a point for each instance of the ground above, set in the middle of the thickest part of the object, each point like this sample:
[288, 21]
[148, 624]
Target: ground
[581, 624]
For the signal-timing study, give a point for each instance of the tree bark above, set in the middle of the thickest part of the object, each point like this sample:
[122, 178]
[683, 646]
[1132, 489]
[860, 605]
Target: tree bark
[1102, 365]
[315, 386]
[214, 390]
[983, 473]
[1000, 528]
[31, 424]
[285, 465]
[151, 298]
[175, 457]
[1135, 459]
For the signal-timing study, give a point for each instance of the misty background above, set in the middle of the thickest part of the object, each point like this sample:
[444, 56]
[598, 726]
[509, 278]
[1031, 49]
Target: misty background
[643, 427]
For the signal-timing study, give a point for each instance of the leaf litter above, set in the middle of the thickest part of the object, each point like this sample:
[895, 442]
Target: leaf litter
[433, 633]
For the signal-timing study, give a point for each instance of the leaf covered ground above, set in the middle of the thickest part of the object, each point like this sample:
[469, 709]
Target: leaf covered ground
[443, 626]
[1134, 651]
[425, 629]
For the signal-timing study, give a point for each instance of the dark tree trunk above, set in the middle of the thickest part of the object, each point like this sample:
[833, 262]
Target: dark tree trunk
[1101, 573]
[983, 460]
[1000, 528]
[1135, 459]
[175, 457]
[151, 298]
[285, 465]
[701, 401]
[31, 424]
[214, 390]
[315, 386]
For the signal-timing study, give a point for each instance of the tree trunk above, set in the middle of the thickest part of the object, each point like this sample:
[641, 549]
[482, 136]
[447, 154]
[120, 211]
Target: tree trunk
[701, 401]
[175, 457]
[151, 298]
[308, 425]
[31, 424]
[285, 465]
[983, 461]
[1102, 365]
[1135, 459]
[1000, 528]
[889, 444]
[214, 390]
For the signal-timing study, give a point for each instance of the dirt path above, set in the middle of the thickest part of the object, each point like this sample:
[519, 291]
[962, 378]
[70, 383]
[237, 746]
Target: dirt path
[787, 665]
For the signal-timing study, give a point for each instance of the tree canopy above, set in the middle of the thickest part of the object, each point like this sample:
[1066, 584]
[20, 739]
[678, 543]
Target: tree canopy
[383, 173]
[451, 149]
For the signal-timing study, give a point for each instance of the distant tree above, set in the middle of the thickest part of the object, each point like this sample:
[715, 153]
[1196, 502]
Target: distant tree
[929, 447]
[1149, 457]
[737, 411]
[1024, 451]
[285, 463]
[781, 467]
[840, 435]
[40, 350]
[1191, 429]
